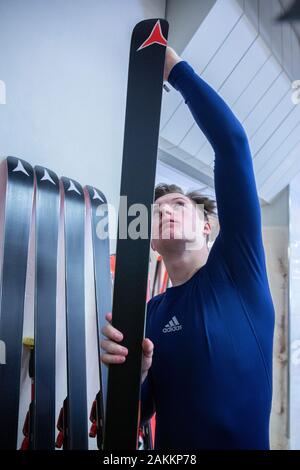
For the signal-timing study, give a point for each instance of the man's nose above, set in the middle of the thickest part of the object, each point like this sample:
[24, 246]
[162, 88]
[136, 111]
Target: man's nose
[166, 210]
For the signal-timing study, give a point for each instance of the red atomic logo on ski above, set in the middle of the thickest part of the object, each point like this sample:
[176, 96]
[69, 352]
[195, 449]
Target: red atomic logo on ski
[155, 37]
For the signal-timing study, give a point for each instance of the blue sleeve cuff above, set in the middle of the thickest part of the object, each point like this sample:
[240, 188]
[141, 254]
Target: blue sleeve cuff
[179, 69]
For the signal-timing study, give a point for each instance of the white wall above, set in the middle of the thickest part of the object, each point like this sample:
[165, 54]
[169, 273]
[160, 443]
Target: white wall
[64, 64]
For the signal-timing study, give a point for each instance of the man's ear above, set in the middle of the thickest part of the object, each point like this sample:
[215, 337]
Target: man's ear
[207, 228]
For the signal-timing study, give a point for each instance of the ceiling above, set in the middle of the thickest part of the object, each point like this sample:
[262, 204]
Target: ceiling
[251, 61]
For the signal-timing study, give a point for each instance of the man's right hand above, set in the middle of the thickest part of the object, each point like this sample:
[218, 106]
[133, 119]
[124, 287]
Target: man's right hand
[116, 354]
[171, 59]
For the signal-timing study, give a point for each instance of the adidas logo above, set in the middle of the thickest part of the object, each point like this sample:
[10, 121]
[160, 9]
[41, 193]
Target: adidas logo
[172, 325]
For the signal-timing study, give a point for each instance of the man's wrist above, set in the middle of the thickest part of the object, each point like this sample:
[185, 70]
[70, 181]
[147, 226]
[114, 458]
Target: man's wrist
[173, 65]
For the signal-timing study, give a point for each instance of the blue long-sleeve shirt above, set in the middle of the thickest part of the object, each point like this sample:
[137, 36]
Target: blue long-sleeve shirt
[211, 376]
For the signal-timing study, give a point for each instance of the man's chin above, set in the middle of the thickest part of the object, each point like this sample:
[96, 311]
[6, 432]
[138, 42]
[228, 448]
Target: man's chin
[164, 245]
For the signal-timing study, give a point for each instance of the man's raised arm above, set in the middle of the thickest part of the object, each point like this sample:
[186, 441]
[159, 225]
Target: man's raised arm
[235, 187]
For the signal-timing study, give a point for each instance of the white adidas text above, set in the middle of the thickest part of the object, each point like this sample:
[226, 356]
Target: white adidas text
[172, 325]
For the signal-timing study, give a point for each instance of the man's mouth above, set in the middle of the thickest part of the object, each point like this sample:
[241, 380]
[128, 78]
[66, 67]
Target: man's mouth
[169, 222]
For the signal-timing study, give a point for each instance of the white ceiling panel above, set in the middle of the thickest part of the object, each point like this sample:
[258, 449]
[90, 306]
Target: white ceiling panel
[256, 89]
[225, 14]
[282, 175]
[279, 155]
[270, 125]
[178, 125]
[234, 47]
[282, 139]
[276, 91]
[193, 140]
[244, 72]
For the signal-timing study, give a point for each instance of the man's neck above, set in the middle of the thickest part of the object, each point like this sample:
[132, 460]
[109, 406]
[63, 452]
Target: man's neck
[183, 265]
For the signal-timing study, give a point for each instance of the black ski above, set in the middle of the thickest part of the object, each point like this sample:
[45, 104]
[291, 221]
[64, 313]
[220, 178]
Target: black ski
[47, 220]
[75, 423]
[103, 291]
[143, 107]
[18, 210]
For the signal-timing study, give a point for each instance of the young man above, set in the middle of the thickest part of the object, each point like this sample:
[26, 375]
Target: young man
[210, 378]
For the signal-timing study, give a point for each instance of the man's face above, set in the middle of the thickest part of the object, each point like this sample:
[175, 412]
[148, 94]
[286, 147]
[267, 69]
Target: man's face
[177, 221]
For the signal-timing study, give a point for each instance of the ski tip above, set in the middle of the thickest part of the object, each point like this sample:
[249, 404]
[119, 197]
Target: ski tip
[95, 194]
[153, 24]
[16, 165]
[70, 185]
[45, 174]
[149, 32]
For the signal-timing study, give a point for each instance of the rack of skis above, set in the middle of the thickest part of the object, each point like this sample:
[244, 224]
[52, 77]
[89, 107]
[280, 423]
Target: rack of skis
[55, 213]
